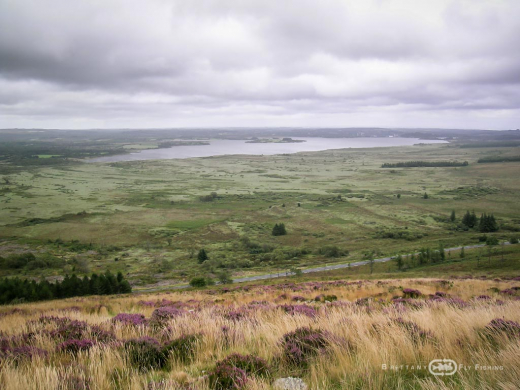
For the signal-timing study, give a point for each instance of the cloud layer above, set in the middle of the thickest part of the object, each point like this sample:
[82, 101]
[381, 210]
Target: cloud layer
[169, 63]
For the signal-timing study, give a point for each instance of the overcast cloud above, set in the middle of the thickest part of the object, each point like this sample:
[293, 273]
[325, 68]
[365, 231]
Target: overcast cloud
[169, 63]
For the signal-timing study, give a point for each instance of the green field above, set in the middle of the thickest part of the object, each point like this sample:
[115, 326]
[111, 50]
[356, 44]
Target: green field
[150, 218]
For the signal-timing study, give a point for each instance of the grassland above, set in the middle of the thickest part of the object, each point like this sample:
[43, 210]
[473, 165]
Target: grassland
[147, 218]
[372, 337]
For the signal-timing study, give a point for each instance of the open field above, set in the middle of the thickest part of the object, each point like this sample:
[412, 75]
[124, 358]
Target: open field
[147, 217]
[357, 326]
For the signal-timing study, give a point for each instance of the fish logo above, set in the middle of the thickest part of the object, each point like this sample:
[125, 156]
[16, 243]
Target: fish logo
[442, 367]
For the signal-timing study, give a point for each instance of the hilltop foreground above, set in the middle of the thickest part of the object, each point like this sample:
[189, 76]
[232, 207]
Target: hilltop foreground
[333, 335]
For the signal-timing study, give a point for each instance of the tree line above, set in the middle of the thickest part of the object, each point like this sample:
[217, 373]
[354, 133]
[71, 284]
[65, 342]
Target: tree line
[498, 159]
[420, 164]
[16, 290]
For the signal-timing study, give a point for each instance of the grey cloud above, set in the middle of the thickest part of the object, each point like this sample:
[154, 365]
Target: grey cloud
[209, 62]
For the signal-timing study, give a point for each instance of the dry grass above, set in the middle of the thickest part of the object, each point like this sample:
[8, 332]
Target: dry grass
[365, 337]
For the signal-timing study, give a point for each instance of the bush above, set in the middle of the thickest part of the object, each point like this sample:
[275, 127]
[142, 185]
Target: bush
[145, 353]
[492, 240]
[198, 282]
[506, 327]
[227, 377]
[411, 293]
[300, 309]
[513, 240]
[302, 344]
[250, 364]
[183, 347]
[165, 313]
[74, 346]
[18, 354]
[130, 319]
[331, 251]
[202, 256]
[279, 230]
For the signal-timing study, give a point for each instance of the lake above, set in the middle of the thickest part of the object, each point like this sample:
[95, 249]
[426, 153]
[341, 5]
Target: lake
[220, 147]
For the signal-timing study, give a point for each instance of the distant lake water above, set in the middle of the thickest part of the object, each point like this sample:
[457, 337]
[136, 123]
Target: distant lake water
[220, 147]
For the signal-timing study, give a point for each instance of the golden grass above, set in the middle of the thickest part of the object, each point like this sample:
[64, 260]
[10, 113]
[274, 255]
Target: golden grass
[368, 338]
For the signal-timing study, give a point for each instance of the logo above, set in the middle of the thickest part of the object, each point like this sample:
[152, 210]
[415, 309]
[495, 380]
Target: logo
[442, 367]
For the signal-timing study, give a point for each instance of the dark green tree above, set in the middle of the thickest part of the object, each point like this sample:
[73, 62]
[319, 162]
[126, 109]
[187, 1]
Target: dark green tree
[279, 230]
[399, 261]
[442, 252]
[487, 223]
[202, 256]
[124, 287]
[452, 216]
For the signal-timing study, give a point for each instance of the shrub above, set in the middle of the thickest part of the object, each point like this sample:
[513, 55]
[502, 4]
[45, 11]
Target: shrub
[279, 230]
[130, 319]
[183, 347]
[513, 240]
[202, 256]
[411, 293]
[198, 282]
[250, 364]
[101, 335]
[145, 353]
[69, 329]
[74, 346]
[506, 327]
[20, 353]
[332, 251]
[302, 344]
[227, 377]
[330, 298]
[299, 309]
[491, 240]
[165, 313]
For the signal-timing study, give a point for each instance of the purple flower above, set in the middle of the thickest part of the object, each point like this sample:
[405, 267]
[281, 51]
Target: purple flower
[23, 352]
[235, 315]
[69, 329]
[130, 319]
[304, 343]
[507, 327]
[74, 346]
[299, 309]
[227, 377]
[101, 335]
[163, 314]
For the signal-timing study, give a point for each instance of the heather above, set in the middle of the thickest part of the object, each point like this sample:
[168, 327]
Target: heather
[247, 336]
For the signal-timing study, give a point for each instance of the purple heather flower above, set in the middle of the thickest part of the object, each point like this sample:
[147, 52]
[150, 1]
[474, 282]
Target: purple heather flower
[130, 319]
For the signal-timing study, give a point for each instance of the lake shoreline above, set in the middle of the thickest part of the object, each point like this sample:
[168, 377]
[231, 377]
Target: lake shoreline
[224, 147]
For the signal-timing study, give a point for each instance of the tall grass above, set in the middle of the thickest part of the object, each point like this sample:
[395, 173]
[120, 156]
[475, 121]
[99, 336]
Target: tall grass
[366, 330]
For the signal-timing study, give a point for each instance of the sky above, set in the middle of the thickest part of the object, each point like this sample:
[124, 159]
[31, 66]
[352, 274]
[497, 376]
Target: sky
[79, 64]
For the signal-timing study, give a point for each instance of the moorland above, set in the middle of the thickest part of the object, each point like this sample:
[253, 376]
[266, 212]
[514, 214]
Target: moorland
[445, 215]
